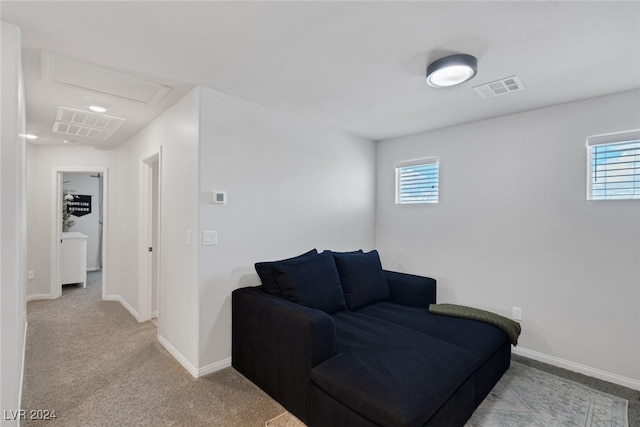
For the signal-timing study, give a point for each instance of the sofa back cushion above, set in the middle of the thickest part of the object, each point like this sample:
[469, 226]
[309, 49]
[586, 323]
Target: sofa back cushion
[311, 281]
[266, 271]
[363, 281]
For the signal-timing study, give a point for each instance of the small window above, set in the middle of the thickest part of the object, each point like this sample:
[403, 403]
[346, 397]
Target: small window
[417, 181]
[614, 166]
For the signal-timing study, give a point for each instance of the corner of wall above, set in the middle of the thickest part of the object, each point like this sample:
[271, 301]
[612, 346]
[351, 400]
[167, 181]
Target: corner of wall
[13, 322]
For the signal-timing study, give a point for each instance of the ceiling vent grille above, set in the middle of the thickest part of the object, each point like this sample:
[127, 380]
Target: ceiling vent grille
[74, 122]
[76, 130]
[499, 87]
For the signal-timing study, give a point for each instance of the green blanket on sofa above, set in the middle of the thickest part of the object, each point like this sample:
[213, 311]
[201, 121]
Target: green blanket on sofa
[510, 327]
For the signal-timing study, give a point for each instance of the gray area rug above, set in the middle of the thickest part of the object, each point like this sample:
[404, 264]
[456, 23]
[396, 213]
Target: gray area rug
[529, 397]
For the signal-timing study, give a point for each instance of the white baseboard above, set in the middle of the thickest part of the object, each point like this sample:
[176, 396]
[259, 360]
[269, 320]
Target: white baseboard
[33, 297]
[195, 372]
[24, 352]
[209, 369]
[125, 304]
[577, 367]
[178, 356]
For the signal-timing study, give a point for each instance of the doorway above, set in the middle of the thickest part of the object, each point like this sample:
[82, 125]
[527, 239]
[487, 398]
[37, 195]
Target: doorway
[72, 183]
[150, 237]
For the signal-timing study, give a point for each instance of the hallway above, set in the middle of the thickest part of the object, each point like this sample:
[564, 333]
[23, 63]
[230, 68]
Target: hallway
[93, 364]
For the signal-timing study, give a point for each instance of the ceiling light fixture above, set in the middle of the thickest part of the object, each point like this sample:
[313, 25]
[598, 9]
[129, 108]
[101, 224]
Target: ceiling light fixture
[28, 136]
[452, 70]
[97, 109]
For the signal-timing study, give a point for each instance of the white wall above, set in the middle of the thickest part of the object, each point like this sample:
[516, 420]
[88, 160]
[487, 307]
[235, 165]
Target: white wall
[12, 224]
[42, 160]
[513, 228]
[176, 131]
[291, 186]
[86, 184]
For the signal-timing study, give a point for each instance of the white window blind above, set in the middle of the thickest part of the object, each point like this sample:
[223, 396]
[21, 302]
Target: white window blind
[417, 181]
[614, 166]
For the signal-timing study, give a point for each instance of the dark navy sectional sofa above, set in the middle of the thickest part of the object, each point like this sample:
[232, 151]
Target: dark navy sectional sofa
[338, 341]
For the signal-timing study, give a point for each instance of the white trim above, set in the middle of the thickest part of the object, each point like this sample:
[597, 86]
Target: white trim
[56, 230]
[38, 296]
[55, 287]
[608, 138]
[145, 233]
[125, 304]
[24, 352]
[417, 162]
[213, 367]
[577, 367]
[179, 357]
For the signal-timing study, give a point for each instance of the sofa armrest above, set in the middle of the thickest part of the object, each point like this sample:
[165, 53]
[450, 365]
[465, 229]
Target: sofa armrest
[276, 343]
[411, 290]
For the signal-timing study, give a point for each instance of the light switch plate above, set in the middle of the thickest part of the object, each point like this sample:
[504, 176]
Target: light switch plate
[209, 238]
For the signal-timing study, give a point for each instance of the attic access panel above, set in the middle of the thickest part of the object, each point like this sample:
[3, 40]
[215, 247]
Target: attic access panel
[95, 78]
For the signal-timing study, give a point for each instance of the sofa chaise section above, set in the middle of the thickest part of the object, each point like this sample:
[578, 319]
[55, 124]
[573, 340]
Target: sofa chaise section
[339, 341]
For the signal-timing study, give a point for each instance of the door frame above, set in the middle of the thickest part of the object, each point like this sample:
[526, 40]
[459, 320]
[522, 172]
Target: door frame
[56, 225]
[145, 229]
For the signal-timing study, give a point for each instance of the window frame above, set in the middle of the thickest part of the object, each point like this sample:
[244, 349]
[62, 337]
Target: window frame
[426, 161]
[608, 139]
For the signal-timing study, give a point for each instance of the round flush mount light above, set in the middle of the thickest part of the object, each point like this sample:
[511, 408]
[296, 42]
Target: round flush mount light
[97, 109]
[452, 70]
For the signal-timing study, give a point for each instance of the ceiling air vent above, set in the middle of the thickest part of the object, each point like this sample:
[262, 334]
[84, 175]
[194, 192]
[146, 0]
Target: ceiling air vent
[499, 87]
[70, 121]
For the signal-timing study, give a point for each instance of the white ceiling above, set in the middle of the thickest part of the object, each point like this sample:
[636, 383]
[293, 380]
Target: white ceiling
[358, 66]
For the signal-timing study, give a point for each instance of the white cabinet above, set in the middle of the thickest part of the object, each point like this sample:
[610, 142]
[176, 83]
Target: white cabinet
[73, 258]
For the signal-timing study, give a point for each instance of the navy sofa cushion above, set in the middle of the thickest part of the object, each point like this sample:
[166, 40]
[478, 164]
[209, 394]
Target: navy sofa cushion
[481, 339]
[266, 272]
[362, 278]
[394, 375]
[311, 281]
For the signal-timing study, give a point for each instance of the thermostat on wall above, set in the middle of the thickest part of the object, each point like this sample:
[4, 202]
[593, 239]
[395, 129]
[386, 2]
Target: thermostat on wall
[219, 197]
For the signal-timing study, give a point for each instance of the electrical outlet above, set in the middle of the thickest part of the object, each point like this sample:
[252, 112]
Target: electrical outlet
[30, 275]
[516, 313]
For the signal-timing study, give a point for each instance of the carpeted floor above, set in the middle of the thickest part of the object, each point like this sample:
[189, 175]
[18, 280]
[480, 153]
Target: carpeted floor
[93, 364]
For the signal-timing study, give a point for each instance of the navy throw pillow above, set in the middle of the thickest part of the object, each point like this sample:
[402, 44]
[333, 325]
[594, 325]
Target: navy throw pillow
[311, 281]
[267, 274]
[363, 281]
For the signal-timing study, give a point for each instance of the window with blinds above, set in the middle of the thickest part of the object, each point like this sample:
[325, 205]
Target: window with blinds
[614, 166]
[417, 181]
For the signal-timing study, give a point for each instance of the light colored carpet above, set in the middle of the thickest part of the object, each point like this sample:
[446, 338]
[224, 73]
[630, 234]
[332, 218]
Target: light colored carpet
[93, 364]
